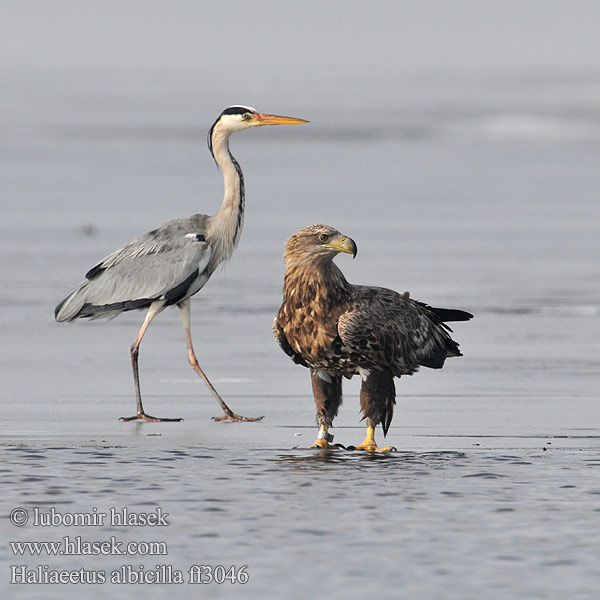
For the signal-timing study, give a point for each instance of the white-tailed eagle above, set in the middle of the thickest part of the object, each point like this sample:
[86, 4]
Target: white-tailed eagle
[338, 330]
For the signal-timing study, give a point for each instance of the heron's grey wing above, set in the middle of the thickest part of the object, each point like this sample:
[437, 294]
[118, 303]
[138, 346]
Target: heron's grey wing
[161, 274]
[285, 345]
[392, 331]
[168, 264]
[153, 242]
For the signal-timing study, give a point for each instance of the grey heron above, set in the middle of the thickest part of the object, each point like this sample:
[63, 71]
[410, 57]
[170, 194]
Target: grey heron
[168, 265]
[338, 329]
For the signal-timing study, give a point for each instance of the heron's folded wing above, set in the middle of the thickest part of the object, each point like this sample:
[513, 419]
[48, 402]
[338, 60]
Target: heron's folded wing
[148, 271]
[164, 238]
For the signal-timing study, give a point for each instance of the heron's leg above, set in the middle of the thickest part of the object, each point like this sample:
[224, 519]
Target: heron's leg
[377, 400]
[154, 309]
[327, 392]
[229, 414]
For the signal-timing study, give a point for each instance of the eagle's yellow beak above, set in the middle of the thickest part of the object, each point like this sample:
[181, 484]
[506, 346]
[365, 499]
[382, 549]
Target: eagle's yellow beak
[342, 244]
[263, 119]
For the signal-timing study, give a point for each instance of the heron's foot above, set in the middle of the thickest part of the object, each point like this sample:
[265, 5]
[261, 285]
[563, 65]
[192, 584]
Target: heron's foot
[142, 416]
[231, 416]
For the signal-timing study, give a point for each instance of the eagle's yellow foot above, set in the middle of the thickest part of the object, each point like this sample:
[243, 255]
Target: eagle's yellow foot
[323, 440]
[372, 448]
[324, 445]
[370, 445]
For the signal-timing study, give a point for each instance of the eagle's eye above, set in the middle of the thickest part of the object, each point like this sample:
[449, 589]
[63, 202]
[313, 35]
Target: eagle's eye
[323, 237]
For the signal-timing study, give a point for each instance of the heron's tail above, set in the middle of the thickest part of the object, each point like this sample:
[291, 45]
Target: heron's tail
[70, 308]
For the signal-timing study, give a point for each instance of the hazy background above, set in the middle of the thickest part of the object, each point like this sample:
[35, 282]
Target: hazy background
[401, 36]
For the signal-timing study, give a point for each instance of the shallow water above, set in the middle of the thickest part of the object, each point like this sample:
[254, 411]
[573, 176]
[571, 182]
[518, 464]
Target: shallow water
[483, 198]
[434, 524]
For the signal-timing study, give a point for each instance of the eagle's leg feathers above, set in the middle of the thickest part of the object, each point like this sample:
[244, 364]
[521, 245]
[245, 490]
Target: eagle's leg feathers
[378, 397]
[377, 400]
[327, 392]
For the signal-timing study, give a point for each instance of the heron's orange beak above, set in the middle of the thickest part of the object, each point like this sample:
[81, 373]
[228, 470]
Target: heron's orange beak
[262, 119]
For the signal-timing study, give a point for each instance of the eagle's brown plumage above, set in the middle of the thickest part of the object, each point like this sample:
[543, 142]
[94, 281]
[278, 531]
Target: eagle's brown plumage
[338, 329]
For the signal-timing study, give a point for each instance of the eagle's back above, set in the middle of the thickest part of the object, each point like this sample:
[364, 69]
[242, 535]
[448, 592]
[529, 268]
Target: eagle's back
[393, 331]
[363, 327]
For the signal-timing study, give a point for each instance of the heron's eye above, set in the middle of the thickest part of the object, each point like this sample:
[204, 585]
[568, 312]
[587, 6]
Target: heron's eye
[246, 116]
[323, 237]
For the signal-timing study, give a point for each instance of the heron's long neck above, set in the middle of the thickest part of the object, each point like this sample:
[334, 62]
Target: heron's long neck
[226, 226]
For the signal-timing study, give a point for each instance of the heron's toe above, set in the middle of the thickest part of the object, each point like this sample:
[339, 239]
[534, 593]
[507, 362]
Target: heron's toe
[142, 416]
[237, 418]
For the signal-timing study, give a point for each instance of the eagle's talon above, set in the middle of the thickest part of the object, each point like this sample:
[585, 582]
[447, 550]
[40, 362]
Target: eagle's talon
[324, 439]
[374, 448]
[323, 444]
[370, 445]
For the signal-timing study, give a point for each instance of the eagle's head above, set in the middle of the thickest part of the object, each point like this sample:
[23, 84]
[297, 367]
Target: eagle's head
[317, 244]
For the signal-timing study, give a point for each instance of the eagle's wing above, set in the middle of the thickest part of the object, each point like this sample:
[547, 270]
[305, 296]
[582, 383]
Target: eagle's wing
[285, 345]
[389, 330]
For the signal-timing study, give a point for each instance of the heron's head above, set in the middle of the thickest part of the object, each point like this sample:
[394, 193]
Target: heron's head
[238, 117]
[318, 243]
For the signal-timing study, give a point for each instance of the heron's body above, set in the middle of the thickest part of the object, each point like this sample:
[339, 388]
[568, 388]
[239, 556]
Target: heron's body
[169, 264]
[338, 330]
